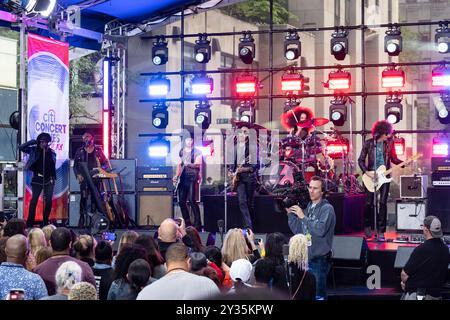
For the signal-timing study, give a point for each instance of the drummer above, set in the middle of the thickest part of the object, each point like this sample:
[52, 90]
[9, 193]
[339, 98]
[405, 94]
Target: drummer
[296, 121]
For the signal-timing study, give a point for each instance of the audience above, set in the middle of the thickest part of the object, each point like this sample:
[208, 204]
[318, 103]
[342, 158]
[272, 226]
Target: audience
[48, 229]
[36, 240]
[240, 273]
[127, 239]
[103, 270]
[15, 226]
[235, 246]
[13, 274]
[169, 233]
[83, 291]
[43, 254]
[2, 249]
[67, 275]
[274, 254]
[154, 256]
[303, 282]
[138, 276]
[214, 255]
[178, 283]
[84, 249]
[196, 241]
[60, 242]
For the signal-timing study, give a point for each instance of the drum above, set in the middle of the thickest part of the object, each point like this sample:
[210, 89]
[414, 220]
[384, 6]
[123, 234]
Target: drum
[310, 171]
[279, 176]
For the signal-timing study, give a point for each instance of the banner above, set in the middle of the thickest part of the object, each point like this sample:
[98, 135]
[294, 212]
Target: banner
[48, 111]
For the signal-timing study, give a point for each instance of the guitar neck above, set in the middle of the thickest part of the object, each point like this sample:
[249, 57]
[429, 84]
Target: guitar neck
[395, 166]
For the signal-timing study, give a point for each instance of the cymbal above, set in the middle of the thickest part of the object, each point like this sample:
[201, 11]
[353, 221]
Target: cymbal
[316, 122]
[240, 124]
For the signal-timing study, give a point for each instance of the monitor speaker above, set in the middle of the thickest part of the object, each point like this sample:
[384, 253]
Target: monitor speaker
[348, 247]
[154, 209]
[402, 256]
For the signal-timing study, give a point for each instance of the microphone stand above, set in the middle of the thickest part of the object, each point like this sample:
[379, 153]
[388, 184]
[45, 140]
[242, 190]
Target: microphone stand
[44, 151]
[375, 184]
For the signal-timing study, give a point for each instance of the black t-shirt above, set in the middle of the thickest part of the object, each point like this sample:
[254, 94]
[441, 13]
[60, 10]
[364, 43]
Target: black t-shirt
[427, 267]
[103, 279]
[38, 168]
[307, 291]
[91, 160]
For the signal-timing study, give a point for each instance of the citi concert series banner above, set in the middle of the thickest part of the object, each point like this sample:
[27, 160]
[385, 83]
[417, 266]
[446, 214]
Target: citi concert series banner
[48, 111]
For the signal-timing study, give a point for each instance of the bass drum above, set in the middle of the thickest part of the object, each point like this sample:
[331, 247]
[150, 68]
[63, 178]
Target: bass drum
[279, 176]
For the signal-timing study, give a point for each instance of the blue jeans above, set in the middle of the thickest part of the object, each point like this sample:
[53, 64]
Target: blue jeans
[320, 266]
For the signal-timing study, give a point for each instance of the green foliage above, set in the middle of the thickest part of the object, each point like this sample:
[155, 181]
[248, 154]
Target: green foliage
[257, 11]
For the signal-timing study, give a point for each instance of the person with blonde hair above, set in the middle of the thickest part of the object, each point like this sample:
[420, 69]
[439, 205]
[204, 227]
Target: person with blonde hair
[84, 248]
[36, 240]
[48, 229]
[83, 291]
[43, 254]
[302, 282]
[67, 275]
[235, 246]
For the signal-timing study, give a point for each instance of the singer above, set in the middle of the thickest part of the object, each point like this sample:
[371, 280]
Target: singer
[94, 157]
[42, 162]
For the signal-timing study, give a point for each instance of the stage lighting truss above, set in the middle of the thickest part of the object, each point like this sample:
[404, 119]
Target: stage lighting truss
[339, 43]
[292, 46]
[338, 81]
[203, 114]
[160, 53]
[399, 145]
[393, 78]
[202, 49]
[160, 116]
[442, 38]
[338, 110]
[202, 85]
[393, 41]
[393, 109]
[31, 7]
[246, 85]
[159, 87]
[440, 76]
[159, 148]
[293, 83]
[443, 108]
[247, 48]
[290, 104]
[247, 111]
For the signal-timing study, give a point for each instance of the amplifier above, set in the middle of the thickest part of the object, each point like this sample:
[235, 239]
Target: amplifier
[410, 215]
[150, 185]
[440, 164]
[440, 179]
[154, 173]
[413, 186]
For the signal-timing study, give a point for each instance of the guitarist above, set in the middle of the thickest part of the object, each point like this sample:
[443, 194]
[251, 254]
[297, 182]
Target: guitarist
[92, 155]
[385, 154]
[188, 174]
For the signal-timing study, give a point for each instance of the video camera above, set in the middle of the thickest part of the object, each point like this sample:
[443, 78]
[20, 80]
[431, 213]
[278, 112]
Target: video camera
[293, 194]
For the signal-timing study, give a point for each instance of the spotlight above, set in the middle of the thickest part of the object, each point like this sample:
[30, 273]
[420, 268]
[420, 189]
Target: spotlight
[159, 148]
[292, 82]
[160, 53]
[339, 44]
[399, 145]
[202, 49]
[338, 111]
[440, 77]
[207, 148]
[442, 38]
[202, 85]
[160, 116]
[33, 7]
[393, 41]
[392, 78]
[440, 147]
[339, 80]
[337, 149]
[158, 87]
[246, 85]
[246, 111]
[203, 114]
[442, 108]
[247, 48]
[14, 120]
[393, 109]
[292, 46]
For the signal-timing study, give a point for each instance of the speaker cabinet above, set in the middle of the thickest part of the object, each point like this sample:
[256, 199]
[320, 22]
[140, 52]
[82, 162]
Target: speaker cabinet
[410, 215]
[438, 204]
[154, 209]
[348, 248]
[402, 256]
[413, 186]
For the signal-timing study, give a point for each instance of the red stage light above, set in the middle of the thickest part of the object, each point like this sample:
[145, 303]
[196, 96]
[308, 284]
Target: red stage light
[336, 149]
[440, 147]
[106, 133]
[339, 80]
[399, 145]
[393, 79]
[246, 85]
[440, 77]
[292, 82]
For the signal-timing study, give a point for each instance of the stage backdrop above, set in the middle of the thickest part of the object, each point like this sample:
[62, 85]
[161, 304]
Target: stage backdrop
[48, 111]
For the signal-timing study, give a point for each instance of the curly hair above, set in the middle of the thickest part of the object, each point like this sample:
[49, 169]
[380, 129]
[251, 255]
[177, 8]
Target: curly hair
[382, 127]
[298, 251]
[290, 119]
[83, 291]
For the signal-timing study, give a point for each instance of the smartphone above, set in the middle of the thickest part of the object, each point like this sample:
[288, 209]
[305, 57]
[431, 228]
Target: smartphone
[109, 236]
[258, 241]
[16, 294]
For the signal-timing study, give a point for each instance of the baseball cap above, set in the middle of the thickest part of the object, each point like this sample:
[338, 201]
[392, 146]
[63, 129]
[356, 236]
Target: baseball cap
[433, 224]
[241, 269]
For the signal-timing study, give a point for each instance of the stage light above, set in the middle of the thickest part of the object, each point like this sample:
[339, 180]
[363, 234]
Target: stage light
[442, 38]
[399, 145]
[247, 111]
[393, 41]
[339, 44]
[14, 120]
[202, 85]
[246, 85]
[203, 114]
[292, 46]
[160, 52]
[339, 80]
[247, 48]
[106, 133]
[159, 148]
[442, 105]
[158, 87]
[106, 117]
[440, 77]
[337, 149]
[202, 49]
[393, 109]
[207, 148]
[338, 111]
[160, 116]
[440, 147]
[32, 7]
[392, 78]
[292, 82]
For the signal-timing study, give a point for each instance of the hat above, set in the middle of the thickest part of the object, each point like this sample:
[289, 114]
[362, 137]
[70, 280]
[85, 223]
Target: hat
[433, 224]
[198, 261]
[241, 269]
[44, 135]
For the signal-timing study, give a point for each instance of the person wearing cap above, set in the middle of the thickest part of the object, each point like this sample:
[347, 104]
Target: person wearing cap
[94, 157]
[188, 175]
[42, 162]
[240, 272]
[424, 274]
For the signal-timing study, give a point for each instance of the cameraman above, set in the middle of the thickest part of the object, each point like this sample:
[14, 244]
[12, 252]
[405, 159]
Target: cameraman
[317, 224]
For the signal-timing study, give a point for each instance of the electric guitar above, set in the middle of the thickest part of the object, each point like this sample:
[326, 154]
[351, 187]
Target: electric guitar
[381, 174]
